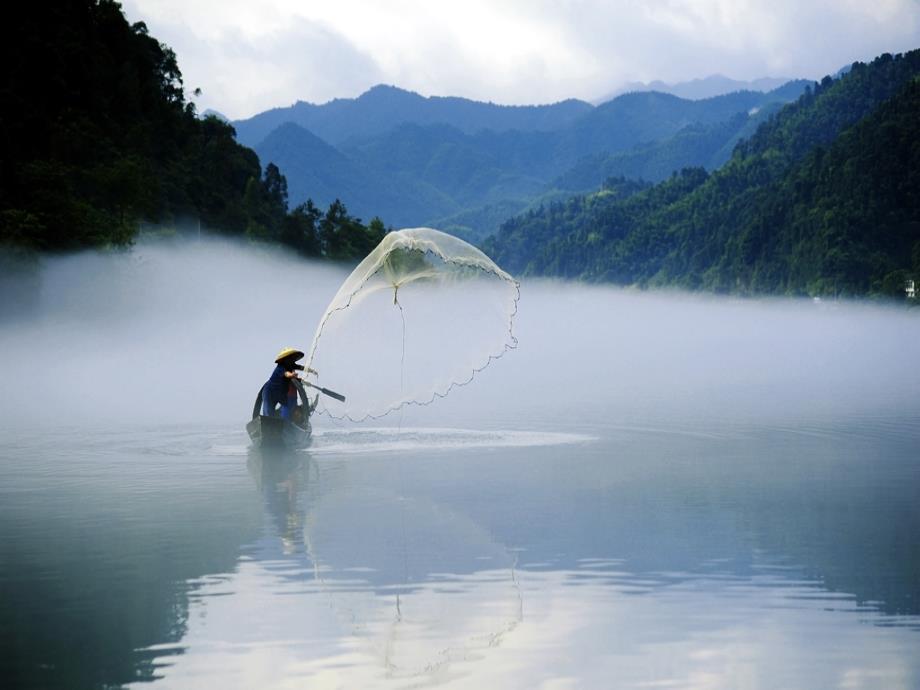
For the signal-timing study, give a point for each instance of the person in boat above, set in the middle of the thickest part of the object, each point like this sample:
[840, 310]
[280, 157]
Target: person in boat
[279, 389]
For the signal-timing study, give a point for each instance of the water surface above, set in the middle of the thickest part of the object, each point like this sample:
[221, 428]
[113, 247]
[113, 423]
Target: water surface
[653, 491]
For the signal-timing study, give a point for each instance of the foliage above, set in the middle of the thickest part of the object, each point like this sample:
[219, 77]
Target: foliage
[697, 145]
[382, 108]
[97, 137]
[821, 200]
[447, 173]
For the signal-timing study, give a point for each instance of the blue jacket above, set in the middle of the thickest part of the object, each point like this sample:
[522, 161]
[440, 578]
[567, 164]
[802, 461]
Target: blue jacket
[277, 387]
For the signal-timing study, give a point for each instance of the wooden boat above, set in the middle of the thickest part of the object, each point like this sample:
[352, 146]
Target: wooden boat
[273, 431]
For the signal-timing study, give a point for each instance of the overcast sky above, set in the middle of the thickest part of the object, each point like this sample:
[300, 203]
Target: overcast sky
[251, 55]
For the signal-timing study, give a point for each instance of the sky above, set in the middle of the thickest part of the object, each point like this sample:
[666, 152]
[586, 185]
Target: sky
[251, 55]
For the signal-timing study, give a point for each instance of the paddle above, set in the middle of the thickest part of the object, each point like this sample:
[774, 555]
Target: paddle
[325, 391]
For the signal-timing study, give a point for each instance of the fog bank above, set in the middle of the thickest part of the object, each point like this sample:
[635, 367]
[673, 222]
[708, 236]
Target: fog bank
[184, 332]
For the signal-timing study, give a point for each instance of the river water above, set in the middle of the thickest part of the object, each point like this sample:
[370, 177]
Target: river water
[652, 491]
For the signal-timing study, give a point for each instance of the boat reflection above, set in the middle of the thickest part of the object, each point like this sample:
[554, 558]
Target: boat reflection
[414, 584]
[282, 476]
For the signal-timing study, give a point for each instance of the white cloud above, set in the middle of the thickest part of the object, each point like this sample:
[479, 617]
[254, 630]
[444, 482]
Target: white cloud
[246, 62]
[250, 56]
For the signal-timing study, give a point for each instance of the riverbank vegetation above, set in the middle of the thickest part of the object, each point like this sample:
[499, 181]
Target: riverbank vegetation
[99, 139]
[823, 199]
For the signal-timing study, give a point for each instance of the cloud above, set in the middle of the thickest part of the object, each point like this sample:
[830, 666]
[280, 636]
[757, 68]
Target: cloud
[246, 67]
[250, 56]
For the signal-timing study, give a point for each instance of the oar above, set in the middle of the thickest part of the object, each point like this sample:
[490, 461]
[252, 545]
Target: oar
[325, 391]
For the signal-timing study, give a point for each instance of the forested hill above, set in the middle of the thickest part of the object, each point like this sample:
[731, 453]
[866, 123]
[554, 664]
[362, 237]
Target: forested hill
[96, 137]
[441, 175]
[384, 107]
[823, 199]
[707, 87]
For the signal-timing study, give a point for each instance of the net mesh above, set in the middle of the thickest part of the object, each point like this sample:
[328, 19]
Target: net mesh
[422, 314]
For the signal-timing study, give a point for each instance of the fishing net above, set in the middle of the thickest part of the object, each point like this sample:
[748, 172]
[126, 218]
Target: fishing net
[422, 314]
[411, 604]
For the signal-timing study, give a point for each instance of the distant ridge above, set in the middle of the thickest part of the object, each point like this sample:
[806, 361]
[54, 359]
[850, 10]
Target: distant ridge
[820, 200]
[383, 107]
[318, 171]
[707, 87]
[422, 173]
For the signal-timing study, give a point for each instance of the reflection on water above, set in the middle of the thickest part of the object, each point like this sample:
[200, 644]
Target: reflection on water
[101, 539]
[727, 556]
[408, 578]
[654, 491]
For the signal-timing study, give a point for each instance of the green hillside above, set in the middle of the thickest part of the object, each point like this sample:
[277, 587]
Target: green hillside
[98, 138]
[697, 145]
[97, 134]
[821, 200]
[425, 174]
[383, 107]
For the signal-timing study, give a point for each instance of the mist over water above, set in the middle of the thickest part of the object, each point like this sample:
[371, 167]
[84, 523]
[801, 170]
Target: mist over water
[168, 332]
[652, 489]
[185, 332]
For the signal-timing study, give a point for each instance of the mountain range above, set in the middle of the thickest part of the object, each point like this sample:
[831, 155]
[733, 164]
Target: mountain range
[805, 189]
[452, 162]
[707, 87]
[383, 107]
[823, 198]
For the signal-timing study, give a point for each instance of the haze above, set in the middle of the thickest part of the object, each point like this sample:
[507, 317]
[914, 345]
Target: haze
[184, 332]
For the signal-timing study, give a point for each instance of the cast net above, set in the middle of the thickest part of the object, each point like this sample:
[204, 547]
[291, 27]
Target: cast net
[422, 314]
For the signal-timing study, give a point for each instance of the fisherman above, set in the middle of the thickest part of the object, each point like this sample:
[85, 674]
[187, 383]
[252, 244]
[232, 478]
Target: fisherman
[279, 389]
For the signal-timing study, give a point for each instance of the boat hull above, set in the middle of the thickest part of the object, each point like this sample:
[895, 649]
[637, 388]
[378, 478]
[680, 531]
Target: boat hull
[275, 432]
